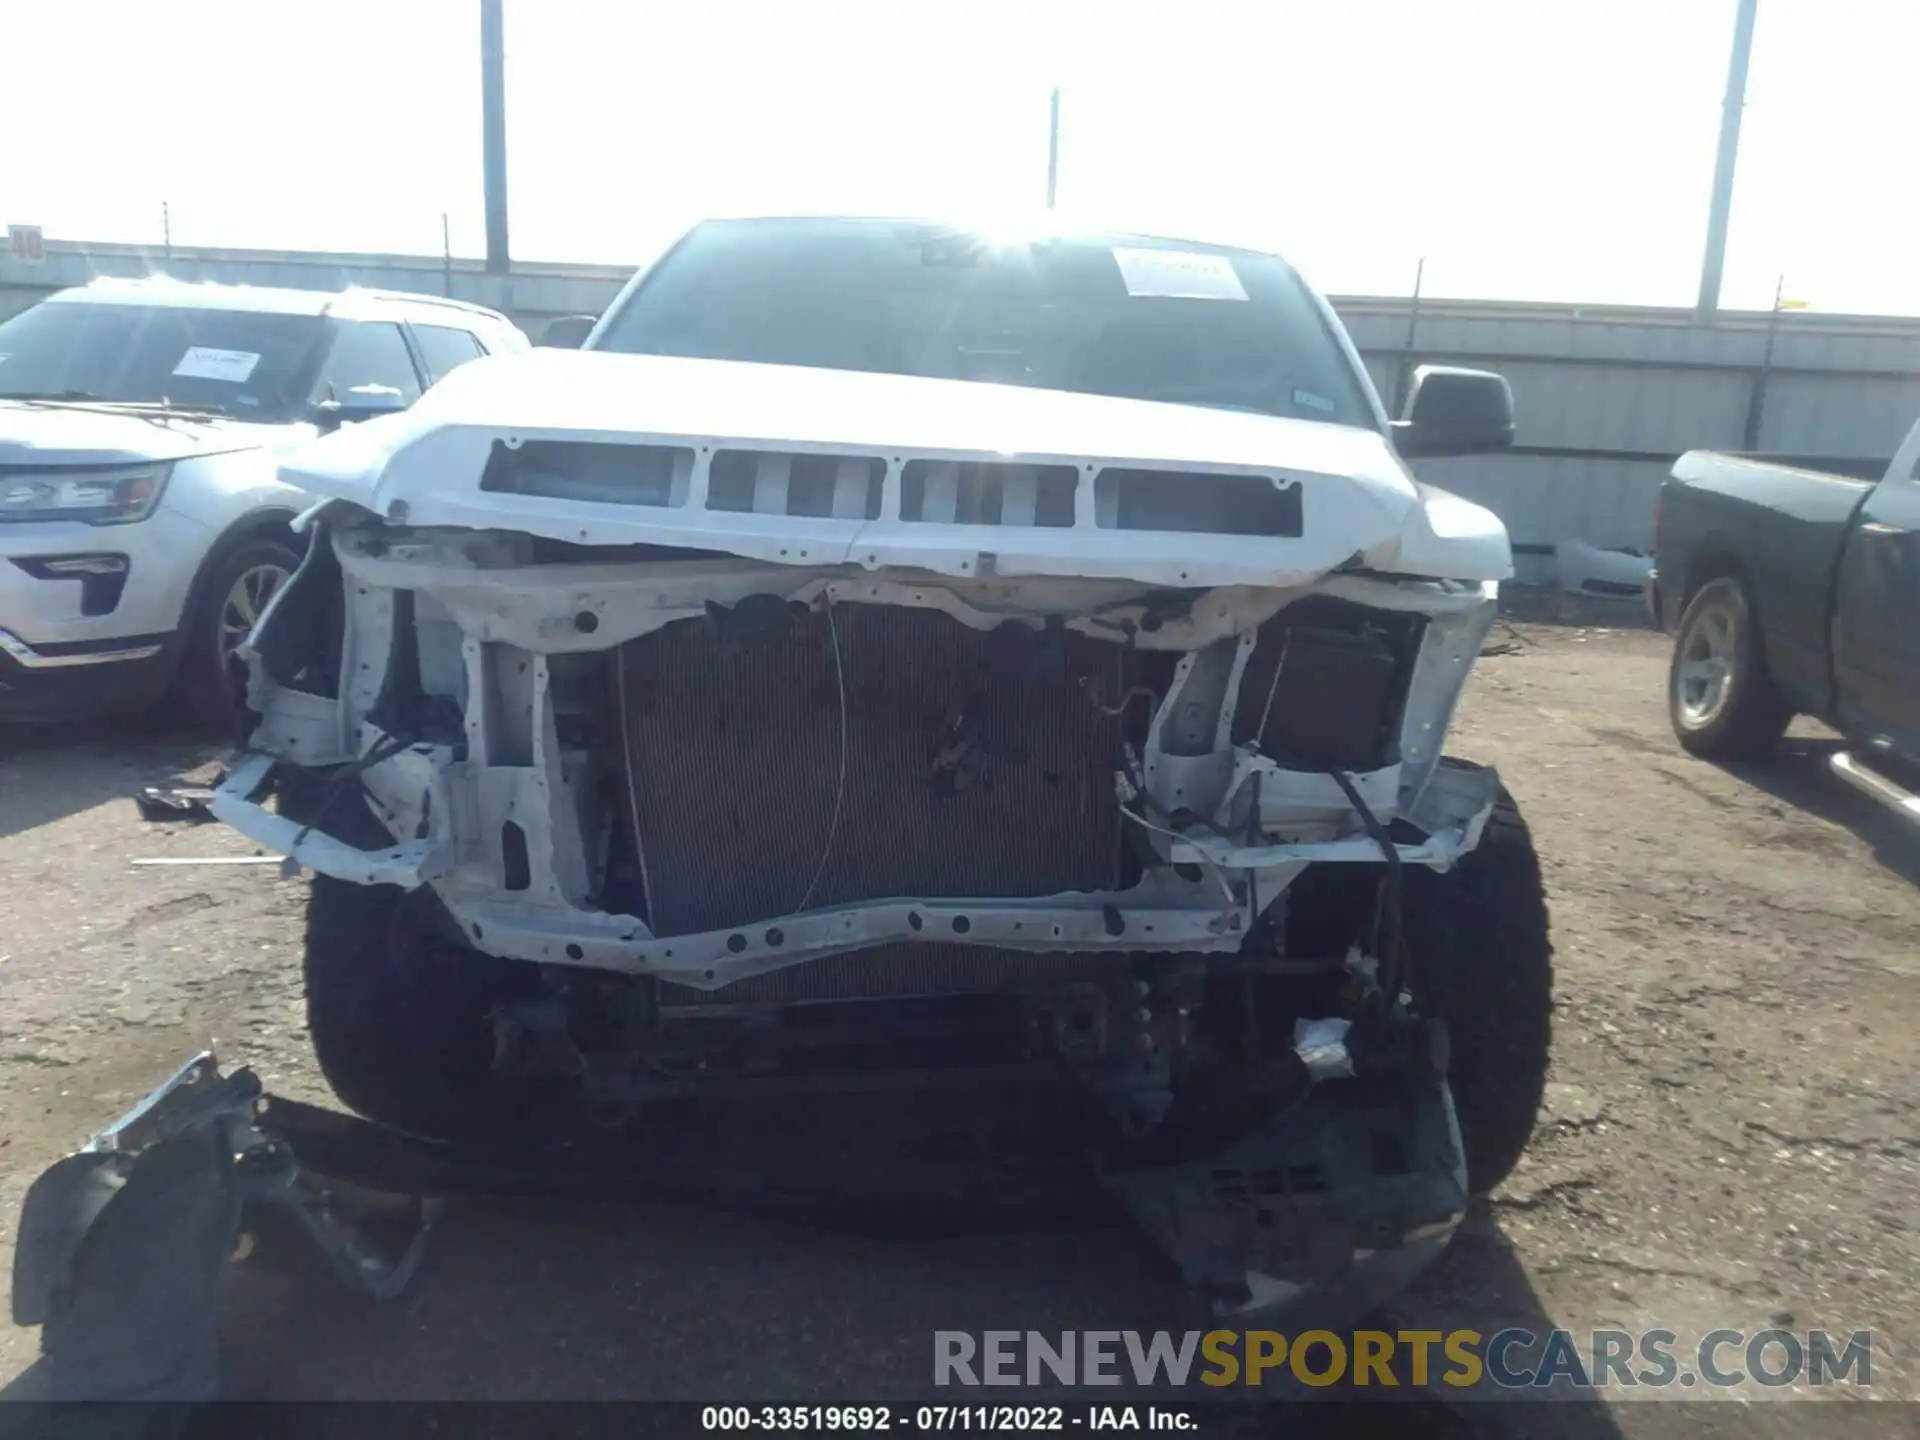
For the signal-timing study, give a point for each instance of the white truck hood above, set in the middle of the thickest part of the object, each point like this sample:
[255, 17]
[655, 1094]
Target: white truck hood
[1356, 499]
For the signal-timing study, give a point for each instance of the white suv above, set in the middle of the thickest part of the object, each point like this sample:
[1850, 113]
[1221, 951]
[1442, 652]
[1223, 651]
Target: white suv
[142, 522]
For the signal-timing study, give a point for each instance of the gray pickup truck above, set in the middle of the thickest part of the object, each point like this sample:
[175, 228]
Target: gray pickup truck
[1794, 590]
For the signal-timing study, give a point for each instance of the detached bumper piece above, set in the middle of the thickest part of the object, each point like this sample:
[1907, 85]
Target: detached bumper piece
[1327, 1208]
[1323, 1210]
[123, 1245]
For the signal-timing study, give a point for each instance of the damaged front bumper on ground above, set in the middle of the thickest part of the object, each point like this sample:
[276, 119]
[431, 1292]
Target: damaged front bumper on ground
[124, 1247]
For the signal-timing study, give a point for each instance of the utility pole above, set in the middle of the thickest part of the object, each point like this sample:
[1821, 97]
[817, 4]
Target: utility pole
[1053, 147]
[1757, 391]
[1723, 167]
[493, 112]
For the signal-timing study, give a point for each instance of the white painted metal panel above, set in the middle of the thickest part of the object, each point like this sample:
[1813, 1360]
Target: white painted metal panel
[1544, 500]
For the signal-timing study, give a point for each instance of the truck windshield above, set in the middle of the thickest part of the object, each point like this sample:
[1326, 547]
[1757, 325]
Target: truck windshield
[232, 362]
[1113, 315]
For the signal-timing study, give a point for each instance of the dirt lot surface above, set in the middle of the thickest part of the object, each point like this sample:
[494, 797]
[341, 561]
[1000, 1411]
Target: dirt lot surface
[1732, 1137]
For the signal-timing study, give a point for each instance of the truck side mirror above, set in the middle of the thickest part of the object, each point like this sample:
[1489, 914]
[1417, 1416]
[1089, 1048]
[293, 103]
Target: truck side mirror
[1452, 411]
[568, 332]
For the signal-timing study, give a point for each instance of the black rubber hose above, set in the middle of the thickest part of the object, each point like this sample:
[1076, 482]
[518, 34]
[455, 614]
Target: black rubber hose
[1393, 961]
[382, 751]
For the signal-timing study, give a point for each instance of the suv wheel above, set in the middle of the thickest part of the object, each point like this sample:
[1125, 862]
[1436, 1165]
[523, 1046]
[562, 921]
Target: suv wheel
[237, 588]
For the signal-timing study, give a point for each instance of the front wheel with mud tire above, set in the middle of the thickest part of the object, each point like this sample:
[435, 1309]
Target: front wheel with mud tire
[1479, 957]
[1482, 960]
[399, 1013]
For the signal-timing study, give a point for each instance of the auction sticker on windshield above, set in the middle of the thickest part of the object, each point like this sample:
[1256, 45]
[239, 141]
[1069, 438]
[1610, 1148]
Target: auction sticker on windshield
[202, 362]
[1178, 275]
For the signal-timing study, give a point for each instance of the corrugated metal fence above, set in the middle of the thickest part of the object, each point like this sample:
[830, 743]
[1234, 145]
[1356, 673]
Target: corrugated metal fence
[1605, 397]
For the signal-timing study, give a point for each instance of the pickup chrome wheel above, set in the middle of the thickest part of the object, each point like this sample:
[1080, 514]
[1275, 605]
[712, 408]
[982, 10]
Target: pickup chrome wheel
[1703, 662]
[1721, 701]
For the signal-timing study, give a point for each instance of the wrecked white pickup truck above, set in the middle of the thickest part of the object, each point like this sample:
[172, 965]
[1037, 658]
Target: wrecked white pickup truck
[884, 656]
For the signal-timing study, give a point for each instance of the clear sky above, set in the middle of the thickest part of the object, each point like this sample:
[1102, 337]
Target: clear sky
[1532, 149]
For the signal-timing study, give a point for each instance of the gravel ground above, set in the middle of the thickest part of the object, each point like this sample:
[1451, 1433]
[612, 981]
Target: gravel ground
[1731, 1139]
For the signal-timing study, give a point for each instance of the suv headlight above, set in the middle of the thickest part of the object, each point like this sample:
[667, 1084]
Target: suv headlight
[98, 497]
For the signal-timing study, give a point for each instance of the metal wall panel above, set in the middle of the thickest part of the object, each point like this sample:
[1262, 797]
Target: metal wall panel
[1838, 415]
[1547, 499]
[1650, 384]
[1600, 407]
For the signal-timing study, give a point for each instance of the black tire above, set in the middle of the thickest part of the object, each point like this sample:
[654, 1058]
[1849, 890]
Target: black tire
[206, 687]
[398, 1014]
[1745, 715]
[1482, 960]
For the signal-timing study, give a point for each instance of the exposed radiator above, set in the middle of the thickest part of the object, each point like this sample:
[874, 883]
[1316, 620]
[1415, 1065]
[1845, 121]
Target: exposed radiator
[977, 763]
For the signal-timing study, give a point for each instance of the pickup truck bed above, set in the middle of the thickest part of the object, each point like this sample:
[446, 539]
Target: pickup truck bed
[1816, 563]
[1775, 518]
